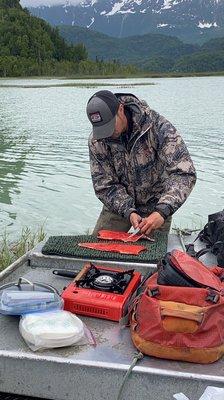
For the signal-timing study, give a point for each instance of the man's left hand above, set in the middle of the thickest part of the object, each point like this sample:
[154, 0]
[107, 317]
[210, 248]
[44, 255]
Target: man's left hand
[151, 223]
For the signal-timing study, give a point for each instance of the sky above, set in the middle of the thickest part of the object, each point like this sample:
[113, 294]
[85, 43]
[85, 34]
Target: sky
[35, 3]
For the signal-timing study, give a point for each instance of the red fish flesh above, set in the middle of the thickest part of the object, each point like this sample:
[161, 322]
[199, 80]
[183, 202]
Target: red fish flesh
[132, 249]
[122, 236]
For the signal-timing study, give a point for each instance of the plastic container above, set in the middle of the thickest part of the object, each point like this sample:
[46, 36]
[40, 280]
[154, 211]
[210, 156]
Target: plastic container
[24, 297]
[51, 329]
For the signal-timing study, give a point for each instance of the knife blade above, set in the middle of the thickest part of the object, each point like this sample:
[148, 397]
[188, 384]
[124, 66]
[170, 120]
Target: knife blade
[135, 232]
[140, 237]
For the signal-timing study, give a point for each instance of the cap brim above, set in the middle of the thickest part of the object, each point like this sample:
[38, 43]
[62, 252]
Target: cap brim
[104, 131]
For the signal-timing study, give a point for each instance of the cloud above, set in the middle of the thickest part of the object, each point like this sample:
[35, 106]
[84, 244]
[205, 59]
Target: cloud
[36, 3]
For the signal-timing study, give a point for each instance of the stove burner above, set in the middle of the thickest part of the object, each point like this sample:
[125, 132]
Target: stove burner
[104, 280]
[100, 279]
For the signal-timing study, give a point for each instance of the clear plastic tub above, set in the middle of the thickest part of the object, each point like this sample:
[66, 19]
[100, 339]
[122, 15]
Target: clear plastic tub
[26, 297]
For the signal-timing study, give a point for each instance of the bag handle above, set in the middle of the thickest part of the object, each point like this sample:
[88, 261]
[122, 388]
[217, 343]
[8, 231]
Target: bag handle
[198, 317]
[32, 285]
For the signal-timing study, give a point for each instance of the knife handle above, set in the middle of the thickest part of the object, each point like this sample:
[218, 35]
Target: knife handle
[66, 273]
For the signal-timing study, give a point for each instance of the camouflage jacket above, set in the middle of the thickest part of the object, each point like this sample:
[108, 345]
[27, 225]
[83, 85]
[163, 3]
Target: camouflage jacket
[153, 167]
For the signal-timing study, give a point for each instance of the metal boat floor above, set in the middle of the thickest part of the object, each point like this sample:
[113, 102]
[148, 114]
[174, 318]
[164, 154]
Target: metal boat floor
[86, 372]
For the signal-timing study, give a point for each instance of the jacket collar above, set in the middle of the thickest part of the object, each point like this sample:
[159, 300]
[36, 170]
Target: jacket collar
[140, 112]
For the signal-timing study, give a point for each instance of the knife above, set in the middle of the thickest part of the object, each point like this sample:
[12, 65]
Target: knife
[135, 232]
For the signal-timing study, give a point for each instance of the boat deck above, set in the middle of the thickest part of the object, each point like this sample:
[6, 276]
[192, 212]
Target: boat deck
[86, 372]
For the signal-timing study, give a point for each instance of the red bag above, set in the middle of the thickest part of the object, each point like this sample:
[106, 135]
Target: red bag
[181, 322]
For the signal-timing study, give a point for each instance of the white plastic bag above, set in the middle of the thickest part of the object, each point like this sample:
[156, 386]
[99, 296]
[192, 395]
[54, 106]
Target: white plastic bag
[53, 329]
[210, 393]
[213, 393]
[180, 396]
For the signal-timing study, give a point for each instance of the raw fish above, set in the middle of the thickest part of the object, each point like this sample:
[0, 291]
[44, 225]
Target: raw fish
[122, 236]
[115, 247]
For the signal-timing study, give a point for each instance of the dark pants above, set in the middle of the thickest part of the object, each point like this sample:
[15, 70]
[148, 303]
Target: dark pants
[114, 222]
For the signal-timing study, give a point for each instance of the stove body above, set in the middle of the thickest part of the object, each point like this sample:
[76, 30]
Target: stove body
[101, 292]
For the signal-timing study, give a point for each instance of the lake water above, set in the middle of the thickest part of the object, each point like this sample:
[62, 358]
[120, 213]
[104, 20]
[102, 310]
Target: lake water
[44, 166]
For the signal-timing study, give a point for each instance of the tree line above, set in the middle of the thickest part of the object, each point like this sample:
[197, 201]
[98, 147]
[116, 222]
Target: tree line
[150, 52]
[31, 47]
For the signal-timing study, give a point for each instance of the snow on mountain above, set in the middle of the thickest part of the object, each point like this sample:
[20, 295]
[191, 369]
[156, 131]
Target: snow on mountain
[182, 18]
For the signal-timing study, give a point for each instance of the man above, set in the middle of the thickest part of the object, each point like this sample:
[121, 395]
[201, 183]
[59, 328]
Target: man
[140, 166]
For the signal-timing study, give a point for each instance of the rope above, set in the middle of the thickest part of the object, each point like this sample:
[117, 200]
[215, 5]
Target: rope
[136, 358]
[179, 232]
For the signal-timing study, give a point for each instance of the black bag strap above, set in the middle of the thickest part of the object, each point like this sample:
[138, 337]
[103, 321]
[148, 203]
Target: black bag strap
[213, 235]
[124, 321]
[202, 252]
[190, 249]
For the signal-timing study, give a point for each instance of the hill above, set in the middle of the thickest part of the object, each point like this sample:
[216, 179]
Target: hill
[131, 49]
[29, 46]
[210, 57]
[214, 45]
[151, 52]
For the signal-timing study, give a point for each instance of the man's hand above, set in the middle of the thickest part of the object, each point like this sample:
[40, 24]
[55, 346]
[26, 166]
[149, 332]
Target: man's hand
[135, 219]
[151, 223]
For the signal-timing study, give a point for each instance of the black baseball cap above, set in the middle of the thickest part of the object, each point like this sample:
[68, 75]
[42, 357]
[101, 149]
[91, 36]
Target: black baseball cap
[101, 110]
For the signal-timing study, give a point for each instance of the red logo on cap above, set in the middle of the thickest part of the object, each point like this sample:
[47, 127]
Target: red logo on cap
[95, 117]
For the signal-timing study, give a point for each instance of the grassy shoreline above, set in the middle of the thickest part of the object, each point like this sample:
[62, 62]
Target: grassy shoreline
[123, 76]
[75, 84]
[11, 251]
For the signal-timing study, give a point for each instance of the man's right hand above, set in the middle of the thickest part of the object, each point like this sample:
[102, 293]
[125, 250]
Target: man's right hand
[135, 220]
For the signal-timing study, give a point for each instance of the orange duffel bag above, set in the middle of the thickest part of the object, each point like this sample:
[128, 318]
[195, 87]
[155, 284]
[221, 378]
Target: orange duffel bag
[179, 314]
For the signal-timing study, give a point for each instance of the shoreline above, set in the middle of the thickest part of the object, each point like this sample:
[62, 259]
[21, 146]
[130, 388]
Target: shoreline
[77, 85]
[122, 76]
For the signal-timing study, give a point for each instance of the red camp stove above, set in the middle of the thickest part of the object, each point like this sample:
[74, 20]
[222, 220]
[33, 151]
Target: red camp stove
[101, 292]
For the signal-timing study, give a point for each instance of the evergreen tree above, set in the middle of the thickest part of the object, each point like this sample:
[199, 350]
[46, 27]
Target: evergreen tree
[26, 40]
[29, 46]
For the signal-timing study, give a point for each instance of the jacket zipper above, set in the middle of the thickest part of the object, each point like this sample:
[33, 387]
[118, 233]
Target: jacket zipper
[149, 127]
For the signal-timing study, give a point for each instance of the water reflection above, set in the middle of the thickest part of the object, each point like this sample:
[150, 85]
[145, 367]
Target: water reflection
[44, 166]
[13, 161]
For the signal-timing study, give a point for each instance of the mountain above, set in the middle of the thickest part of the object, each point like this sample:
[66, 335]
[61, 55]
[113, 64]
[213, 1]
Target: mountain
[210, 57]
[151, 52]
[135, 49]
[190, 20]
[30, 46]
[214, 45]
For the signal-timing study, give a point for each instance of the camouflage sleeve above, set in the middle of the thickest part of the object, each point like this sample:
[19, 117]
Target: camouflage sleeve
[180, 174]
[105, 181]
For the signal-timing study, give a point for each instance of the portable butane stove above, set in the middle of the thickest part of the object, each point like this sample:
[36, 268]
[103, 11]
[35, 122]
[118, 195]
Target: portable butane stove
[101, 292]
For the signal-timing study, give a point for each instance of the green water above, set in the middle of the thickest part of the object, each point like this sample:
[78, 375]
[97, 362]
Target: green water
[44, 167]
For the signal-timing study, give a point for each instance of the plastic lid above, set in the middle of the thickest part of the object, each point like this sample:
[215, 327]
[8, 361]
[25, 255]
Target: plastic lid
[15, 302]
